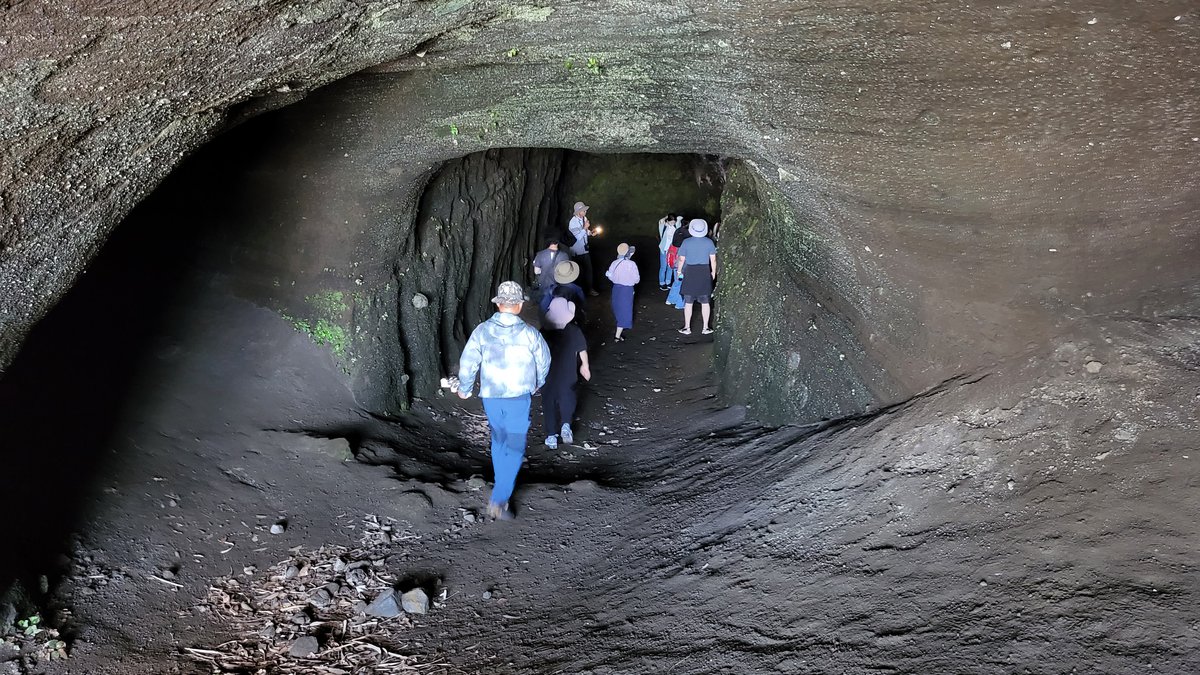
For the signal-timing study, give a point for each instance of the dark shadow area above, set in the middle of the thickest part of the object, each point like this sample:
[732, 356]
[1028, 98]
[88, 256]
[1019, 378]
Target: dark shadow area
[67, 394]
[77, 382]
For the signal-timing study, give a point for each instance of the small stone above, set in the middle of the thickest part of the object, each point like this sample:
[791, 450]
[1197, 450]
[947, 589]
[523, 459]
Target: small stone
[339, 565]
[304, 647]
[168, 575]
[291, 572]
[420, 301]
[320, 598]
[278, 528]
[268, 631]
[469, 517]
[476, 483]
[415, 601]
[333, 588]
[1094, 367]
[300, 619]
[487, 595]
[385, 606]
[357, 577]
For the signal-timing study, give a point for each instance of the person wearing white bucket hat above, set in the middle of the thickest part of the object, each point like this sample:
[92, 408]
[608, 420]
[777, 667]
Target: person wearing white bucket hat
[696, 262]
[512, 362]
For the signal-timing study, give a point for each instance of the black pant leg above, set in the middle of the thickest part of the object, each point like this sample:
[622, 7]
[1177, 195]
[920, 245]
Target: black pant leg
[550, 408]
[566, 405]
[585, 272]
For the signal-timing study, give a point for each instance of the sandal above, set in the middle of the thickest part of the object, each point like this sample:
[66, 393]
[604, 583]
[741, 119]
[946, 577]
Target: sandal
[685, 331]
[707, 331]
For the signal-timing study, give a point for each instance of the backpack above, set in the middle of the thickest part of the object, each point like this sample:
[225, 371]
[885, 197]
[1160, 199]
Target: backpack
[568, 237]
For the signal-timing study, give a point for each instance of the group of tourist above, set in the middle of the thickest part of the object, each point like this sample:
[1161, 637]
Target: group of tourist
[513, 360]
[687, 267]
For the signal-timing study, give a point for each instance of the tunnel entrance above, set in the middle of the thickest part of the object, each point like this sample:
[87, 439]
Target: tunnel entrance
[287, 293]
[235, 291]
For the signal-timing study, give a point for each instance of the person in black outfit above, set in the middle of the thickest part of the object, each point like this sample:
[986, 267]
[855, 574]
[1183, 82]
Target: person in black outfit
[568, 360]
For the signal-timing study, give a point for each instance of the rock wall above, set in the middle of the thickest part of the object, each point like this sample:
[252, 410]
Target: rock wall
[479, 219]
[787, 347]
[979, 177]
[388, 268]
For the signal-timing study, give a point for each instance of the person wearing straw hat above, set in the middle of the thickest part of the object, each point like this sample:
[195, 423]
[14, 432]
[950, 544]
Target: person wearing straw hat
[512, 361]
[564, 286]
[568, 361]
[623, 273]
[696, 262]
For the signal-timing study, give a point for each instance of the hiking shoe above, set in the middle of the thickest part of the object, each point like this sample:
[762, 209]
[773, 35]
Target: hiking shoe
[552, 442]
[566, 434]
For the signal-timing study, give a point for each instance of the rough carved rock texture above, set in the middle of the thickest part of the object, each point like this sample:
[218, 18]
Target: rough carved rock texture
[973, 177]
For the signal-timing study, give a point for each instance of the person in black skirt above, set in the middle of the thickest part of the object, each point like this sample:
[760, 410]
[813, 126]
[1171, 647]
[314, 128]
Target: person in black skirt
[696, 262]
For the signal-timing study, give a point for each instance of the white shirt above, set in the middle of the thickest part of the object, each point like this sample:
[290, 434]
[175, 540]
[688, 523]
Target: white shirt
[578, 229]
[666, 233]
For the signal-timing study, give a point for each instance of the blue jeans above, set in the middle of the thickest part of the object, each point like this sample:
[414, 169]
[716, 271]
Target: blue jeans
[508, 419]
[666, 274]
[674, 297]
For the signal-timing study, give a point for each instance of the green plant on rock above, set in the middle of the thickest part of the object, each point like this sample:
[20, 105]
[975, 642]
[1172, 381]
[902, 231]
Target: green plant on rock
[333, 335]
[328, 302]
[513, 52]
[594, 65]
[329, 309]
[569, 63]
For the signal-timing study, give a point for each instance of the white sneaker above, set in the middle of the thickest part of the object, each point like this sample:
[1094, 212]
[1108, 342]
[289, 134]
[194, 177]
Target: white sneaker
[566, 434]
[552, 442]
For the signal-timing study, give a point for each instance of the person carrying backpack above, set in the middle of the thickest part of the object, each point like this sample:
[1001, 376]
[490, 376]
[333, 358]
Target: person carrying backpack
[581, 228]
[666, 233]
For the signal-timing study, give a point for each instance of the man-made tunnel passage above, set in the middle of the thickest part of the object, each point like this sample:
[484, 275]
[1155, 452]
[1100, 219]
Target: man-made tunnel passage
[945, 424]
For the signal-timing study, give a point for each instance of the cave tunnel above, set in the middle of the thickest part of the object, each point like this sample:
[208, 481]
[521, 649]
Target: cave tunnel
[945, 423]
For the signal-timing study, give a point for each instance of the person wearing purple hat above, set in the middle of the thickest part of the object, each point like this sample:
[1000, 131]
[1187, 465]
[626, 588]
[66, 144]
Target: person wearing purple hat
[568, 361]
[696, 262]
[512, 361]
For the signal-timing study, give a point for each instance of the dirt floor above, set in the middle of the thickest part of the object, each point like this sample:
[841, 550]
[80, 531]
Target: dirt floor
[1038, 517]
